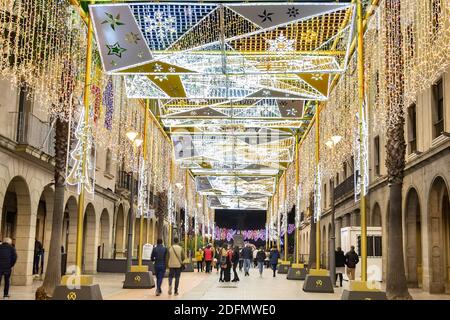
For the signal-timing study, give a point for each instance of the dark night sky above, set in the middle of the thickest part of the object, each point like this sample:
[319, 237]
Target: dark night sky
[241, 219]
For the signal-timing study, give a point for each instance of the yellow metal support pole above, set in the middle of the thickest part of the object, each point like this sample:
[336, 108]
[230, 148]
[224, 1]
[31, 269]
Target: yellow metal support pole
[87, 86]
[144, 155]
[195, 222]
[187, 205]
[317, 166]
[361, 141]
[285, 212]
[278, 220]
[297, 180]
[171, 184]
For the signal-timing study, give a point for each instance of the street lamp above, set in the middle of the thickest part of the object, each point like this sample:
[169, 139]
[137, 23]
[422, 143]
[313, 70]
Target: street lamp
[332, 258]
[136, 142]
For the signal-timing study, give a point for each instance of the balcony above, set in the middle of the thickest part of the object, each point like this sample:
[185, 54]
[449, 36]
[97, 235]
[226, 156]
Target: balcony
[29, 130]
[123, 182]
[348, 186]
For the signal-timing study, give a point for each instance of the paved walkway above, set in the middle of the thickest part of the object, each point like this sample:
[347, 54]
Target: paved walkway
[203, 286]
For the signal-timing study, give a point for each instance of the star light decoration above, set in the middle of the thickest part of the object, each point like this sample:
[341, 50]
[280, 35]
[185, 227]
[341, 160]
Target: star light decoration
[161, 25]
[132, 38]
[266, 16]
[113, 21]
[115, 49]
[281, 44]
[293, 12]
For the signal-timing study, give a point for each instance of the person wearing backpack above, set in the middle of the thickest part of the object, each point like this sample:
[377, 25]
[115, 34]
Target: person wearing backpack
[176, 258]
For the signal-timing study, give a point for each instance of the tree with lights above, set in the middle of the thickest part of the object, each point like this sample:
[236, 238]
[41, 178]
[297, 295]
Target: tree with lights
[396, 285]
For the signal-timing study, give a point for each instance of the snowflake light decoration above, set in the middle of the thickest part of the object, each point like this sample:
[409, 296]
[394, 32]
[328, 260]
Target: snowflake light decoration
[281, 44]
[161, 25]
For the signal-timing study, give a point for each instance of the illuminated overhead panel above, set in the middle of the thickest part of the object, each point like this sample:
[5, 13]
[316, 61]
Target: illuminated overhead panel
[215, 72]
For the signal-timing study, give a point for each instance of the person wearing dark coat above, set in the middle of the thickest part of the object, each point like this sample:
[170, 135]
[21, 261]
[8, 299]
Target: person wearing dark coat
[8, 258]
[159, 256]
[38, 252]
[340, 264]
[235, 261]
[273, 259]
[260, 258]
[247, 255]
[351, 260]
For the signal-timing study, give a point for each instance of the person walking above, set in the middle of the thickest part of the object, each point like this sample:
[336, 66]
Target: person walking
[260, 258]
[159, 255]
[8, 258]
[38, 251]
[208, 255]
[273, 259]
[217, 255]
[241, 260]
[339, 258]
[247, 256]
[229, 264]
[235, 261]
[223, 263]
[176, 258]
[254, 253]
[351, 260]
[199, 259]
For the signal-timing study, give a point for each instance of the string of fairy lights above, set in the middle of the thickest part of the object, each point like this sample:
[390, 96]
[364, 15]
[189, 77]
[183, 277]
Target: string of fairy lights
[43, 45]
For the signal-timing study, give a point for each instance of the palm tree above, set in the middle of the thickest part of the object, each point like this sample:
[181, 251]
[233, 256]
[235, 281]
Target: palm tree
[396, 285]
[312, 235]
[160, 212]
[53, 271]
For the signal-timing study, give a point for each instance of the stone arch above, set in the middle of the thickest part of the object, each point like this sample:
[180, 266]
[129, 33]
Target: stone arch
[330, 249]
[439, 235]
[413, 227]
[43, 230]
[18, 223]
[69, 231]
[375, 217]
[105, 235]
[119, 237]
[89, 239]
[324, 249]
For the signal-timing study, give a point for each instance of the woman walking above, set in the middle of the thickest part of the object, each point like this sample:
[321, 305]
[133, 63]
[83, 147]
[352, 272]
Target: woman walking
[235, 261]
[223, 263]
[273, 259]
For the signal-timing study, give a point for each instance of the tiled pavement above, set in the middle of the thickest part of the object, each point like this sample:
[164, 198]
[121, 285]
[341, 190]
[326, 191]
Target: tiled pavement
[202, 286]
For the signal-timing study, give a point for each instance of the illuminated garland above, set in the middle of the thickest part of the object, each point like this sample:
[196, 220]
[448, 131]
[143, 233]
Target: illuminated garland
[249, 235]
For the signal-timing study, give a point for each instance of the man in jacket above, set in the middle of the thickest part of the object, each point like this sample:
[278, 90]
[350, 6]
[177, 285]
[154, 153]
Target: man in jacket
[176, 258]
[273, 259]
[260, 257]
[159, 255]
[351, 260]
[8, 258]
[208, 256]
[247, 256]
[340, 264]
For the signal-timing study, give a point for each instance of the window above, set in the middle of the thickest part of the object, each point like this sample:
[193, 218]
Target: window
[412, 129]
[337, 179]
[438, 108]
[108, 161]
[374, 246]
[345, 170]
[332, 187]
[376, 160]
[324, 195]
